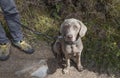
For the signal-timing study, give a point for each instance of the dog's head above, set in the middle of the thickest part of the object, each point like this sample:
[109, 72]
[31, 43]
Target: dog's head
[72, 28]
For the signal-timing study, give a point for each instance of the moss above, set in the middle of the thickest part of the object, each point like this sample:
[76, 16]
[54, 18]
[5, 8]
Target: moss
[40, 21]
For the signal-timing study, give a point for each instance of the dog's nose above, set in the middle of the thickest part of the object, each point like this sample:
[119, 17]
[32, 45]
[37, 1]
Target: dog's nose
[70, 36]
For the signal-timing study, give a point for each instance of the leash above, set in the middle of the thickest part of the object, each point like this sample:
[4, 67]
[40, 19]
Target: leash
[35, 32]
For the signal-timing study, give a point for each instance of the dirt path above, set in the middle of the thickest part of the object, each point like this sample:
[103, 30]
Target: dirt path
[19, 61]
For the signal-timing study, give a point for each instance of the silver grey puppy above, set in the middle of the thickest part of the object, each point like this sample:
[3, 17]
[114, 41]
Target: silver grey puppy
[69, 42]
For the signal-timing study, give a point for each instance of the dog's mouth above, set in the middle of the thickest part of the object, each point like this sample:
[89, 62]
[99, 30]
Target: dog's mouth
[69, 38]
[71, 41]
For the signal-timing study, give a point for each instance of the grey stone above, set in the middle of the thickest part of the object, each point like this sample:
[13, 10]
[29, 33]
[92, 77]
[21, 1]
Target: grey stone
[34, 69]
[41, 72]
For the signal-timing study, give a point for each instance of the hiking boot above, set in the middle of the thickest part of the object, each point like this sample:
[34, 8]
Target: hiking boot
[4, 51]
[24, 46]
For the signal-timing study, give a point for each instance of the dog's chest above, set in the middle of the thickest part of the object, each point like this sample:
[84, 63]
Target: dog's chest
[71, 49]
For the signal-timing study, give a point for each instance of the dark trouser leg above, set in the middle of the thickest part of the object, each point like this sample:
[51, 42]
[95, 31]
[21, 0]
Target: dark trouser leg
[4, 49]
[11, 15]
[3, 38]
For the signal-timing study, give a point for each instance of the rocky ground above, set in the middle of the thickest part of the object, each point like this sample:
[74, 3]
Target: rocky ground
[21, 65]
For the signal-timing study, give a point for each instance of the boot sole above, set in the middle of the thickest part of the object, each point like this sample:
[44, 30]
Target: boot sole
[27, 52]
[4, 58]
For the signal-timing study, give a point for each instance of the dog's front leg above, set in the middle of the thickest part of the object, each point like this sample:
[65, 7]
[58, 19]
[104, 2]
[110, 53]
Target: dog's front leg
[66, 69]
[79, 66]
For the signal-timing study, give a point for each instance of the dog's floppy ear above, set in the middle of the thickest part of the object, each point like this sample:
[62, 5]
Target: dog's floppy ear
[83, 29]
[62, 26]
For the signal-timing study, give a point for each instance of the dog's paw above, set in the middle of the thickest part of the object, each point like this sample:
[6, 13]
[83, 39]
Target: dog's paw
[80, 68]
[65, 70]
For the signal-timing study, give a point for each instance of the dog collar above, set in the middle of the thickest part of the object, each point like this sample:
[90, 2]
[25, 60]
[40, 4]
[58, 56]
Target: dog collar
[72, 42]
[69, 42]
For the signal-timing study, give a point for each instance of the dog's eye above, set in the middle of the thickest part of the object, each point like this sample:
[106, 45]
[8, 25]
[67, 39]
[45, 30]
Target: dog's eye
[75, 27]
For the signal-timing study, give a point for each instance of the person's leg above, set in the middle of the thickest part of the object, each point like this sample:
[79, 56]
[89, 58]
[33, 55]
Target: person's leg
[12, 15]
[3, 38]
[4, 45]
